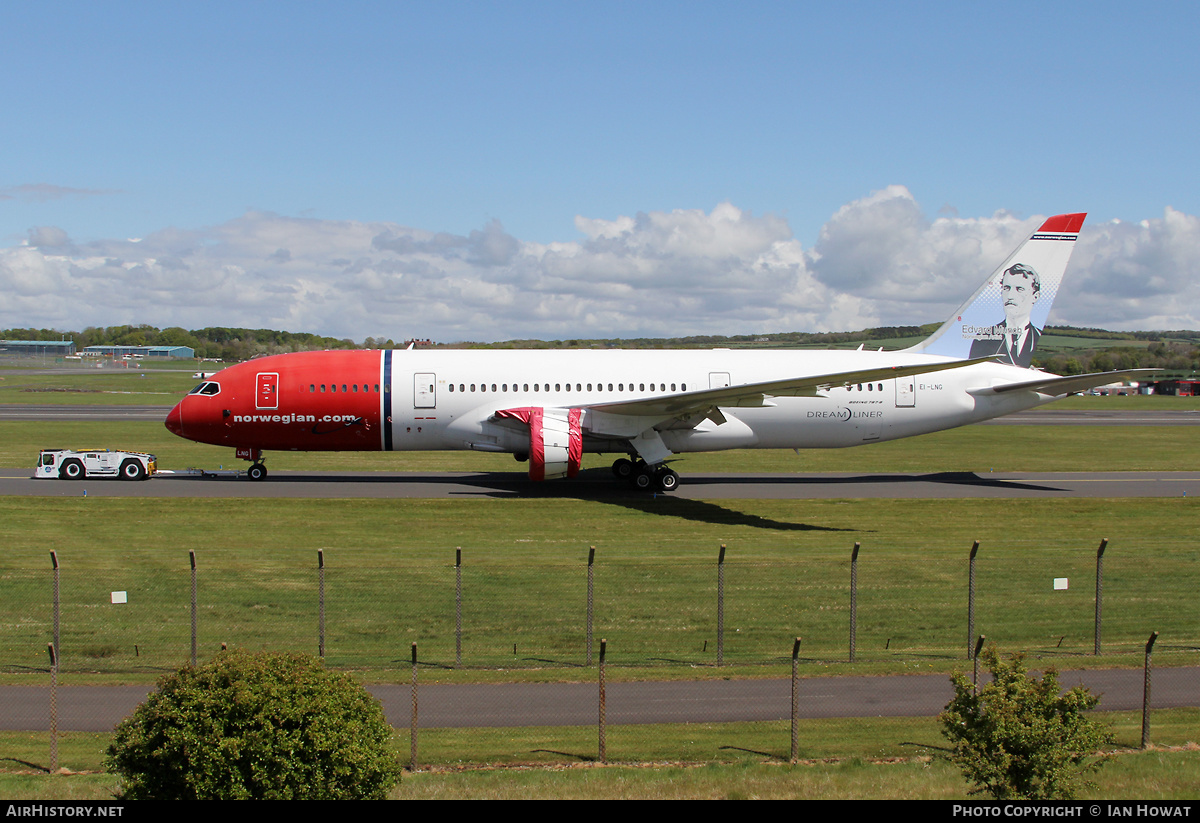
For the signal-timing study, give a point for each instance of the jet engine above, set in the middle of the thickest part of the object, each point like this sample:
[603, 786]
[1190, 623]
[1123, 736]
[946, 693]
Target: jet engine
[555, 440]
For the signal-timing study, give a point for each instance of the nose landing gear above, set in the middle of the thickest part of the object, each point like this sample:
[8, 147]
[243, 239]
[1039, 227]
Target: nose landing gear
[257, 470]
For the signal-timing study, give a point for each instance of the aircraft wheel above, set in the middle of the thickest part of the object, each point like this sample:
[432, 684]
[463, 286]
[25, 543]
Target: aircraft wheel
[642, 481]
[623, 469]
[668, 480]
[257, 472]
[71, 470]
[132, 470]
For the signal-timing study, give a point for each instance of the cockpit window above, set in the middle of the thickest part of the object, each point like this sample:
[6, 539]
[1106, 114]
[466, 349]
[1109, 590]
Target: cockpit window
[208, 387]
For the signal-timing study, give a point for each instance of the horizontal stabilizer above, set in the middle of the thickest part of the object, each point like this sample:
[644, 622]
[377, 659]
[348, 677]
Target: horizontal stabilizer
[1054, 385]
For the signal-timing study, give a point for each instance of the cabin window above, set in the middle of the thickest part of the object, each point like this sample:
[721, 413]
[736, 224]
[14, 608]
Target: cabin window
[322, 388]
[312, 389]
[451, 387]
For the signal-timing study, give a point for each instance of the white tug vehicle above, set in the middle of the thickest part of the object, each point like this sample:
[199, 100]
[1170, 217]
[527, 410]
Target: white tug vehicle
[65, 464]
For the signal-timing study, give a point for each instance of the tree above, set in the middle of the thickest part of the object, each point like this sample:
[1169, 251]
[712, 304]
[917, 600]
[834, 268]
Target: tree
[1020, 738]
[255, 726]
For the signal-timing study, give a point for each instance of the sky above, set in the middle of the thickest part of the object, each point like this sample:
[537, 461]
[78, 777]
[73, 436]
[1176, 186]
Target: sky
[488, 171]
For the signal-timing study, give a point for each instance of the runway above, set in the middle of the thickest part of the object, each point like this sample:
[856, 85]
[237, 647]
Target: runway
[599, 484]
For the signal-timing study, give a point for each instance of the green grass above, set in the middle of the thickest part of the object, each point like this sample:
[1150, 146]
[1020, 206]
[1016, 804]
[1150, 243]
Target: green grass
[786, 574]
[859, 758]
[390, 579]
[104, 387]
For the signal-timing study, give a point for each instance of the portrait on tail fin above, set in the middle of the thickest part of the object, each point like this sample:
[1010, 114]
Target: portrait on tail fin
[1016, 337]
[1005, 316]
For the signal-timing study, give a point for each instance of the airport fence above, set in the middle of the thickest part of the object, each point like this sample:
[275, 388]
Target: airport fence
[742, 633]
[476, 611]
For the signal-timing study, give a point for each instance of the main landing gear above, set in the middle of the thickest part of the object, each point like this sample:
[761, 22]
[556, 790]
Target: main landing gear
[646, 478]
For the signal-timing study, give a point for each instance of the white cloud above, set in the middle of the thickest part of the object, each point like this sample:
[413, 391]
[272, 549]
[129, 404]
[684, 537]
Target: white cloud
[878, 261]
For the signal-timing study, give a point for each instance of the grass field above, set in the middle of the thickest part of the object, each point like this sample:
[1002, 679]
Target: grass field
[390, 578]
[787, 574]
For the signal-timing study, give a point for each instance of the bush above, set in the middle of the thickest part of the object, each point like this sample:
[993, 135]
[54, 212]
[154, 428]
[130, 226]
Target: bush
[255, 726]
[1018, 737]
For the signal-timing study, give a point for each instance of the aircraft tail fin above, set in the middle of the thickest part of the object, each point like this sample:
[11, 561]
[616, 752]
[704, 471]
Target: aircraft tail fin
[1005, 316]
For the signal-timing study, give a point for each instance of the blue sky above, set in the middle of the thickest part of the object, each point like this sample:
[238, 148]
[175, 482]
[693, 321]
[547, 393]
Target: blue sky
[425, 169]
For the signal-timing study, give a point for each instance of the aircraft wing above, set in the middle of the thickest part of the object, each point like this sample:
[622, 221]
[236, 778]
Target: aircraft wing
[1054, 385]
[755, 394]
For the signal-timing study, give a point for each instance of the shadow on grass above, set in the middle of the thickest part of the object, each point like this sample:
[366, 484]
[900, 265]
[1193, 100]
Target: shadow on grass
[583, 758]
[596, 486]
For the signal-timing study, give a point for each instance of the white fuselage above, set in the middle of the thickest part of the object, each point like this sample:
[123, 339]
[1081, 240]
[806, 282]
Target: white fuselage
[469, 386]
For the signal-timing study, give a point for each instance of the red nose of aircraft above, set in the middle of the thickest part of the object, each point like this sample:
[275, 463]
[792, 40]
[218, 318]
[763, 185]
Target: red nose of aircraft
[174, 421]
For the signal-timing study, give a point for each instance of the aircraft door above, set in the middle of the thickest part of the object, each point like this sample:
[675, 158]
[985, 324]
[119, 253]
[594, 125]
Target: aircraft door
[266, 395]
[906, 392]
[424, 391]
[718, 379]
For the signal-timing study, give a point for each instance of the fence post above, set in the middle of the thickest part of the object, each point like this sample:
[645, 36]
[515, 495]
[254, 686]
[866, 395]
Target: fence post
[192, 561]
[57, 606]
[458, 607]
[1146, 692]
[53, 709]
[603, 743]
[412, 742]
[853, 600]
[321, 603]
[971, 598]
[590, 591]
[721, 606]
[1099, 590]
[796, 700]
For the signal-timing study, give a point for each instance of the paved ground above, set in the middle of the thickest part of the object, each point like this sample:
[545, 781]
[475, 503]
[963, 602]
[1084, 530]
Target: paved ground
[599, 484]
[99, 708]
